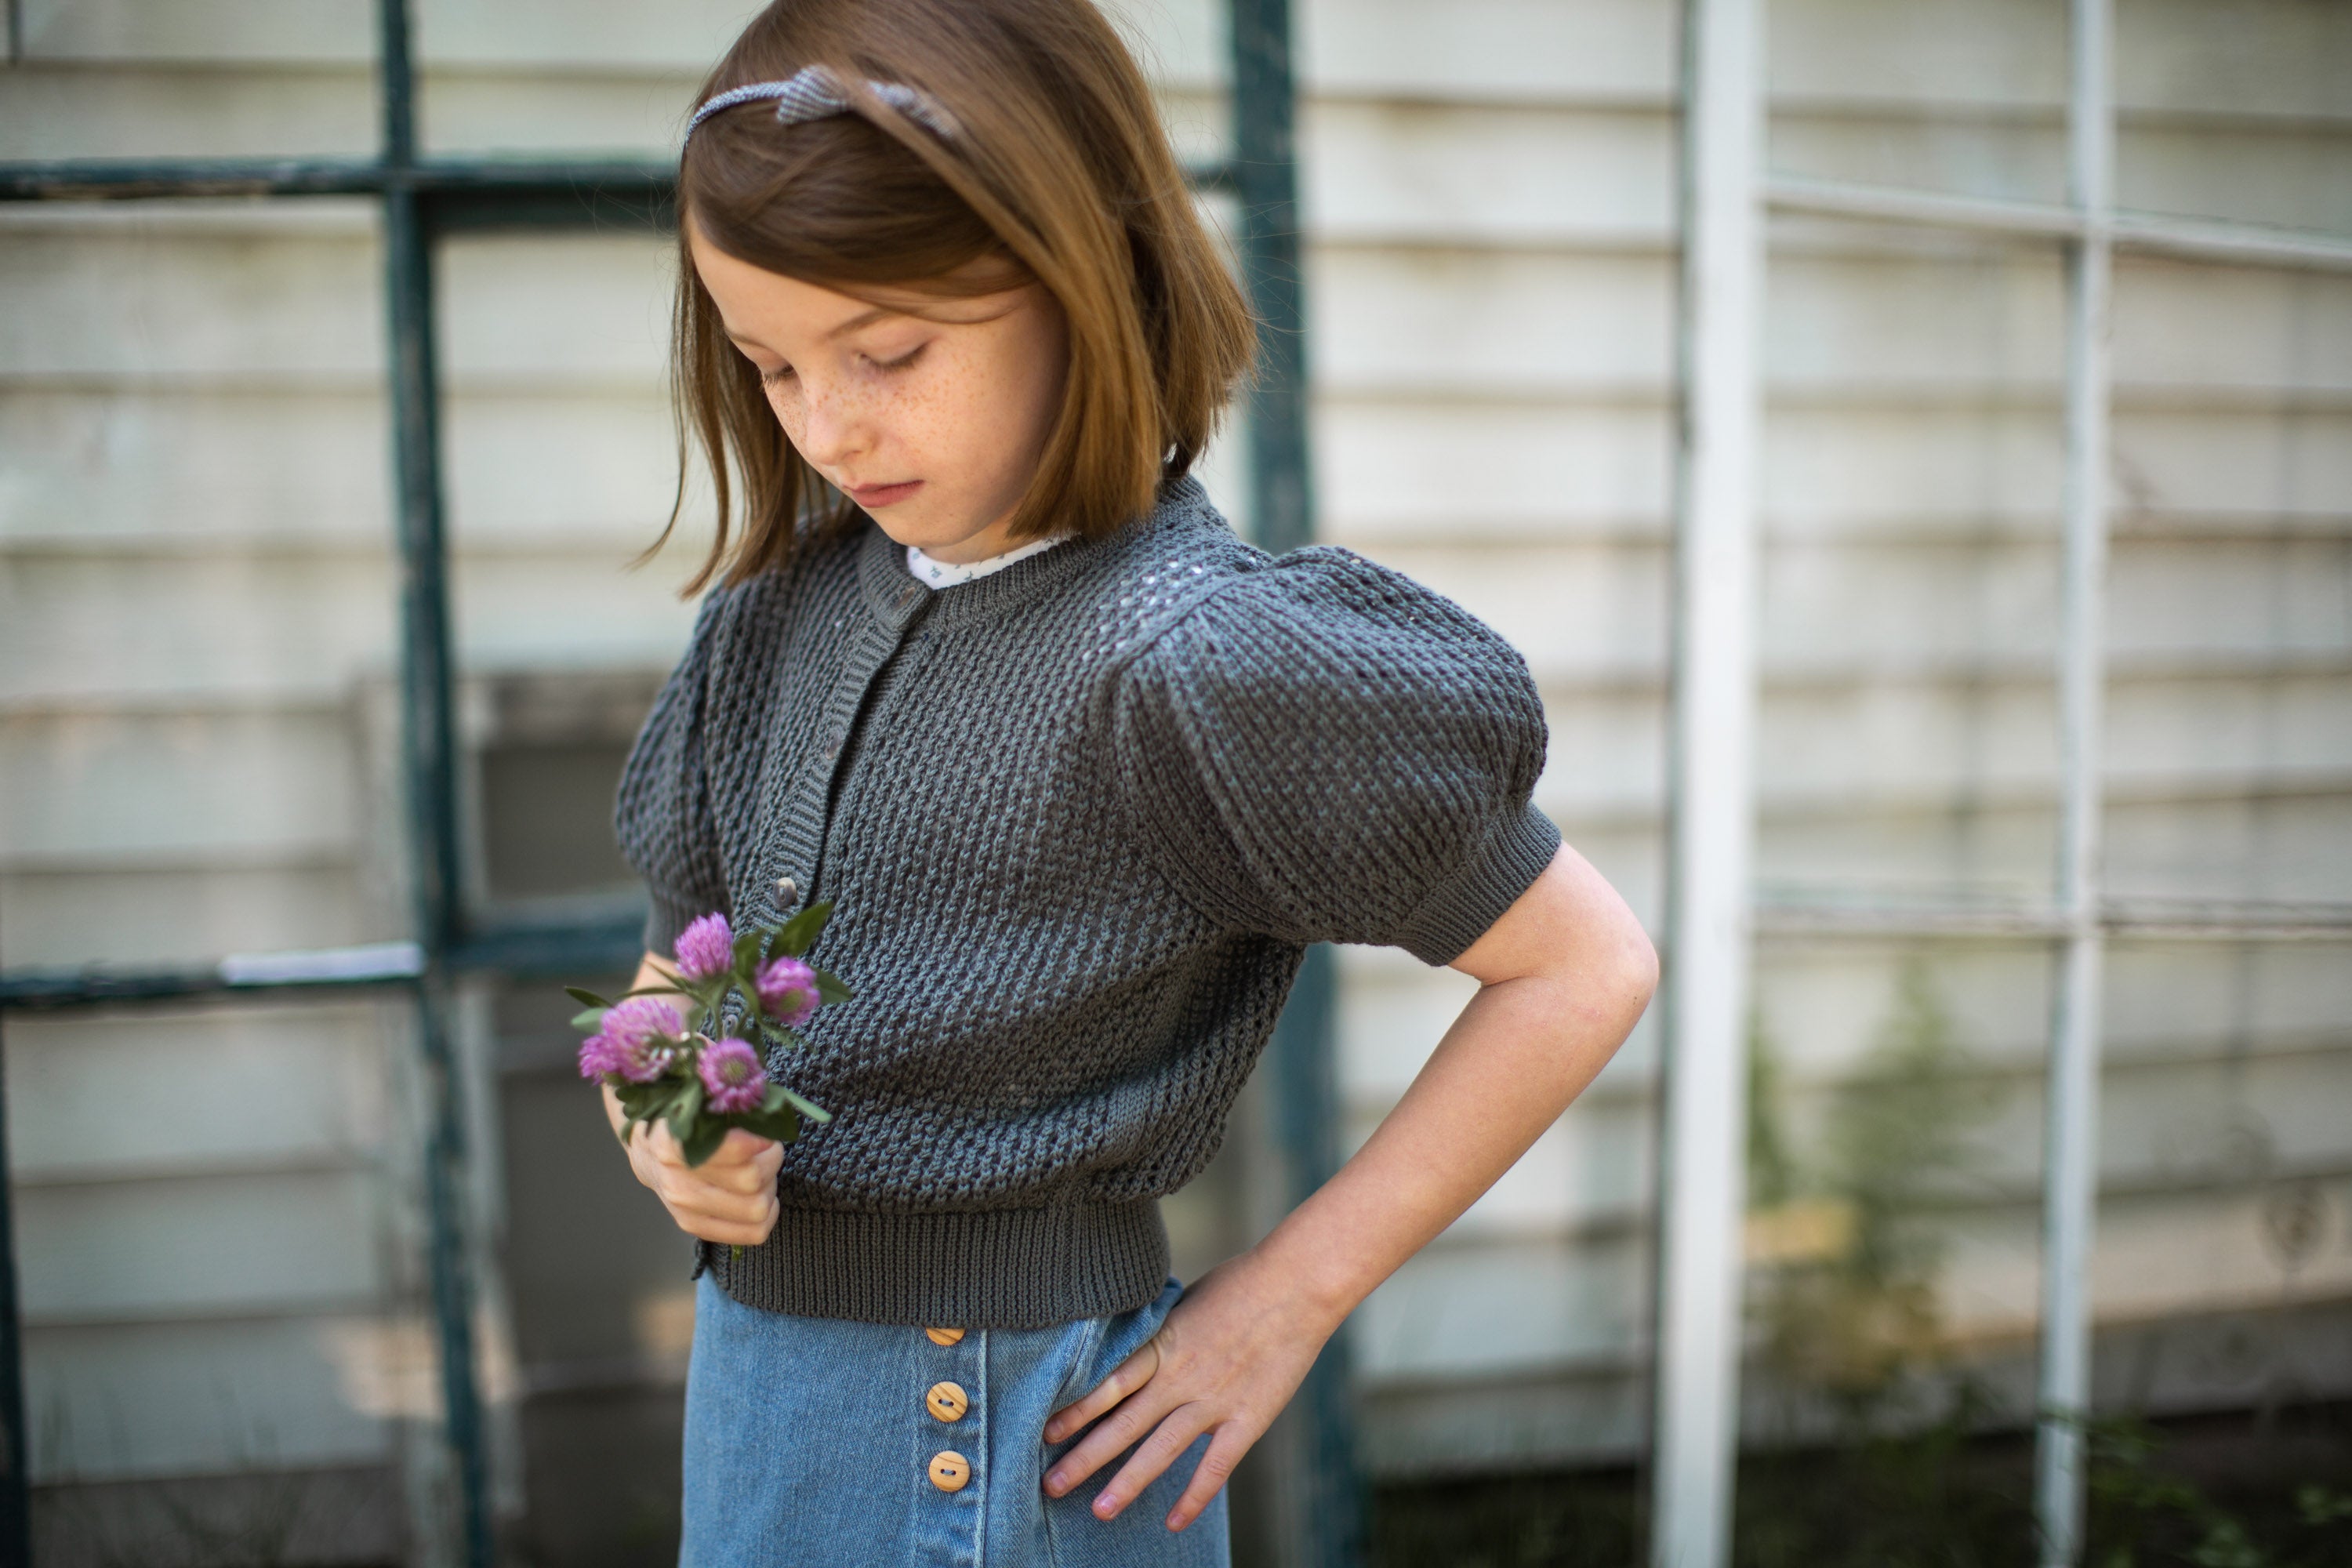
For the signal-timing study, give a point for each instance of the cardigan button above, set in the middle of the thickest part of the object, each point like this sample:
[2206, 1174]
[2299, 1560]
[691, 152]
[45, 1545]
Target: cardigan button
[947, 1401]
[944, 1337]
[949, 1471]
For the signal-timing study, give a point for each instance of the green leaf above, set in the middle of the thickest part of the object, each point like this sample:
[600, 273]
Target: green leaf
[699, 1145]
[829, 990]
[747, 951]
[796, 934]
[587, 998]
[780, 1124]
[809, 1108]
[651, 1101]
[684, 1109]
[654, 991]
[783, 1036]
[590, 1021]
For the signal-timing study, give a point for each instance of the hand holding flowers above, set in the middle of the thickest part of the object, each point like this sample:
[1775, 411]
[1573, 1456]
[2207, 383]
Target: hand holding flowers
[689, 1079]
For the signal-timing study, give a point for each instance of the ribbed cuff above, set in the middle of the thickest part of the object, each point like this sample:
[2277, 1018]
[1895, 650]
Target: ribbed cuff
[995, 1269]
[1460, 911]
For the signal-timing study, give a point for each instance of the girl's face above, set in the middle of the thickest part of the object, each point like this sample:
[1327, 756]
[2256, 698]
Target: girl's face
[932, 422]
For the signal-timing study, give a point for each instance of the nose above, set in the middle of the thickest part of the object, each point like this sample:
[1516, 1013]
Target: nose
[834, 426]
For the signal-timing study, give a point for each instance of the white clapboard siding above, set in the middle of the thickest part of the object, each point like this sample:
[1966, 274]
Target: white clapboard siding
[124, 787]
[2275, 842]
[2272, 57]
[157, 912]
[195, 571]
[275, 32]
[113, 1400]
[156, 467]
[177, 1090]
[192, 297]
[205, 1246]
[63, 108]
[296, 626]
[557, 311]
[1486, 174]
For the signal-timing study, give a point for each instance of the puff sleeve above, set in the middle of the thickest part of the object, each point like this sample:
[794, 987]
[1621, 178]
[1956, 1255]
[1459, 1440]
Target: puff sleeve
[662, 816]
[1325, 749]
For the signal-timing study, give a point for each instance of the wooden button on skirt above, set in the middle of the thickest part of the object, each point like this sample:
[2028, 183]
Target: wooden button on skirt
[820, 1443]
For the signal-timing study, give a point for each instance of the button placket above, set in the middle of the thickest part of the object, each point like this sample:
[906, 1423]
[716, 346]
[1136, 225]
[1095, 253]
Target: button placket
[955, 1361]
[804, 813]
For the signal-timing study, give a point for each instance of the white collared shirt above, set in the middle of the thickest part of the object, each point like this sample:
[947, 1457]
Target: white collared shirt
[947, 573]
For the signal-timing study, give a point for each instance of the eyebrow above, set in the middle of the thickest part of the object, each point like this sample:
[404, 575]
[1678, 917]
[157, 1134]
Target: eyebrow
[862, 319]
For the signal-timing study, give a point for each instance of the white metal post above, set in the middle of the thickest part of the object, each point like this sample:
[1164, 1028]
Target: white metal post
[2070, 1137]
[1702, 1180]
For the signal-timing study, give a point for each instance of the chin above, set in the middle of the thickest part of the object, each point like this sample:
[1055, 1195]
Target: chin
[926, 534]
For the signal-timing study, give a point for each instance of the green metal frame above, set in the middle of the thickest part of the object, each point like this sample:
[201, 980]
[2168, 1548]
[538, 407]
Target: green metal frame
[424, 200]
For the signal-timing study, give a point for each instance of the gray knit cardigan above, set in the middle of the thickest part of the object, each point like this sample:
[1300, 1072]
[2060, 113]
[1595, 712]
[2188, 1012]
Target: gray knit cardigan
[1081, 818]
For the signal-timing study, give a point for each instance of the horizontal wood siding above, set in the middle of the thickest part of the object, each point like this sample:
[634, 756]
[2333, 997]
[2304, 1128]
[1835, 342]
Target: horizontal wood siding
[196, 599]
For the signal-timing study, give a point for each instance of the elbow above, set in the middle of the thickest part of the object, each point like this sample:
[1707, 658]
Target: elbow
[1632, 971]
[1614, 973]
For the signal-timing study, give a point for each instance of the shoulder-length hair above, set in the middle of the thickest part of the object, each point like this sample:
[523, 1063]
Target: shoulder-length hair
[1056, 170]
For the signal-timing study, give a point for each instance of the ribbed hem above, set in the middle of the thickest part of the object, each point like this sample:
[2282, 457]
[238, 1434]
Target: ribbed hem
[1459, 912]
[997, 1269]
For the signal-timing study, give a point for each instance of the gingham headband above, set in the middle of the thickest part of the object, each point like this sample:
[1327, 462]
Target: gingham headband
[812, 92]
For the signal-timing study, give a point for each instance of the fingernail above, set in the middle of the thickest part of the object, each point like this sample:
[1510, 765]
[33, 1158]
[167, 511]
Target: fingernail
[1106, 1505]
[1057, 1483]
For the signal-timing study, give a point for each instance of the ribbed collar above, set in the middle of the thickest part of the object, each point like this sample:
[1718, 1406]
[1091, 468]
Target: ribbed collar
[895, 598]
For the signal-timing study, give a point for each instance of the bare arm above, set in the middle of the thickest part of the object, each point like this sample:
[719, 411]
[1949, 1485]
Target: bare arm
[730, 1196]
[1563, 976]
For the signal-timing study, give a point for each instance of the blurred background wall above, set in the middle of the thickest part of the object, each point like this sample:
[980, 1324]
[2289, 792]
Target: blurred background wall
[217, 1224]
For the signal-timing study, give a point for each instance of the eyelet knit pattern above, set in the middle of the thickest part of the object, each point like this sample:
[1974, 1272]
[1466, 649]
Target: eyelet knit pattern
[1081, 818]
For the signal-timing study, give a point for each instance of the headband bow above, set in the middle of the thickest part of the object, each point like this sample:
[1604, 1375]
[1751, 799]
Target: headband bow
[812, 92]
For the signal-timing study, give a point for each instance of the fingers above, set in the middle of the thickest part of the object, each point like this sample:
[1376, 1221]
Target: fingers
[1215, 1468]
[1125, 1379]
[733, 1200]
[1164, 1447]
[743, 1147]
[1112, 1436]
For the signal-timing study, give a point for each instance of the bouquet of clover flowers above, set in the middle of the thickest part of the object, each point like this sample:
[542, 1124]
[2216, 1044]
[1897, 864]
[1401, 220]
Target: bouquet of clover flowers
[667, 1064]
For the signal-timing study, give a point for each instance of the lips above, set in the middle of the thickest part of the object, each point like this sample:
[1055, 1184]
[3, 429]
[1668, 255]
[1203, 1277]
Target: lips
[883, 495]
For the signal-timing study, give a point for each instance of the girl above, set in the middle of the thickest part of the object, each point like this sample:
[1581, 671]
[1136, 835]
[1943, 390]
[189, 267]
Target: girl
[1084, 775]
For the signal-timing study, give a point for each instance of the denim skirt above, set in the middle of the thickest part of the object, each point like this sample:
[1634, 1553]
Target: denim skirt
[819, 1443]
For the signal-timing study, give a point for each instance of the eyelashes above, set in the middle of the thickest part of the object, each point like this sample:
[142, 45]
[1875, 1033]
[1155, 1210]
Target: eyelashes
[782, 374]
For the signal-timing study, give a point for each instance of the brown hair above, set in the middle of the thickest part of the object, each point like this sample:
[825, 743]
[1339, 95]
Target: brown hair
[1058, 171]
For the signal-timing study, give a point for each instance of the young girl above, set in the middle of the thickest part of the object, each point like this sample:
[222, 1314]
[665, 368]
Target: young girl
[1084, 775]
